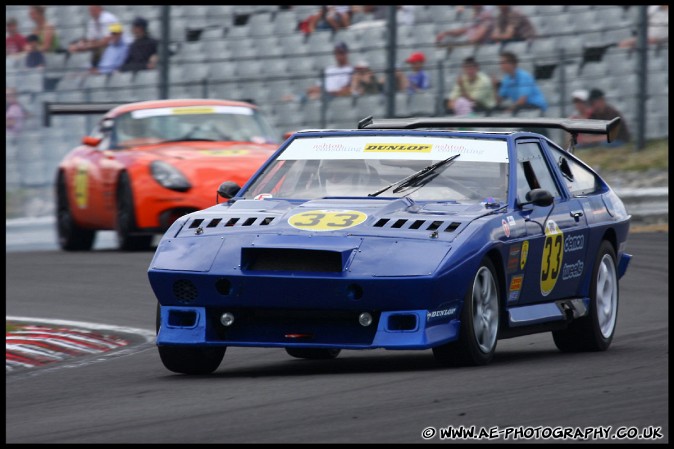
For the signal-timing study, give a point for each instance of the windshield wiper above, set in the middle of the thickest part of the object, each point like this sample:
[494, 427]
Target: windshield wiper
[423, 173]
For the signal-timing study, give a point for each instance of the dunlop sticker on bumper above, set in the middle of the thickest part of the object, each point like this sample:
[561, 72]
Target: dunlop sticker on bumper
[327, 220]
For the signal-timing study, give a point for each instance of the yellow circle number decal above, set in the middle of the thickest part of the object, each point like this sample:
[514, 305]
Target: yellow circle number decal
[553, 253]
[81, 183]
[326, 220]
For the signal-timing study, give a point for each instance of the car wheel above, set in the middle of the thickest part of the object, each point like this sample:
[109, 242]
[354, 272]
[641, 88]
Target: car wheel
[595, 331]
[126, 219]
[188, 360]
[479, 322]
[71, 237]
[313, 353]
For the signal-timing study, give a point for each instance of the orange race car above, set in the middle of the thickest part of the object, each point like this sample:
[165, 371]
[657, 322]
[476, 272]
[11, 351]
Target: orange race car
[148, 163]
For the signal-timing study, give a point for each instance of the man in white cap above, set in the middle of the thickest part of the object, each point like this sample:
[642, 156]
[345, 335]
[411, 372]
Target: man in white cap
[337, 76]
[582, 110]
[97, 37]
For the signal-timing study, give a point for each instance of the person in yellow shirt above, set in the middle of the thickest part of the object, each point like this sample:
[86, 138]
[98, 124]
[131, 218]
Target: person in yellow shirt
[473, 91]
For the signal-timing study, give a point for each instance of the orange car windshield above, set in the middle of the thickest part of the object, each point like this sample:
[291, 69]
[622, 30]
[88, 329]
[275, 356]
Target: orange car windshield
[194, 123]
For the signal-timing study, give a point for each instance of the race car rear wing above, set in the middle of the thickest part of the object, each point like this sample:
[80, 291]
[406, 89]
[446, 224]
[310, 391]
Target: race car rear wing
[53, 108]
[572, 126]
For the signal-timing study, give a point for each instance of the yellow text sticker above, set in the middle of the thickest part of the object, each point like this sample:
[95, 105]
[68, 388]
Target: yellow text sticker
[194, 110]
[516, 283]
[326, 220]
[81, 183]
[524, 254]
[553, 254]
[398, 148]
[226, 153]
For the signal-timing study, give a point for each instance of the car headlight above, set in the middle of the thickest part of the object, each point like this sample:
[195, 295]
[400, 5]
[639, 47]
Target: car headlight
[169, 176]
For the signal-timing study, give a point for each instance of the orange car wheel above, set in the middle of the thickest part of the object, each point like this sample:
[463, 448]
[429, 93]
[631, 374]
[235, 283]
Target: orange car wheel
[126, 219]
[71, 237]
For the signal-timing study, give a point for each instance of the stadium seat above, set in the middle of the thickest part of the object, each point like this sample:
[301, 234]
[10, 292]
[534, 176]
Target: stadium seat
[284, 23]
[422, 104]
[266, 47]
[253, 68]
[121, 79]
[78, 61]
[370, 105]
[31, 80]
[293, 45]
[147, 78]
[260, 24]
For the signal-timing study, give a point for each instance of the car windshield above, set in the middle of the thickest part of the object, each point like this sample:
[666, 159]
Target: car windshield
[208, 123]
[358, 166]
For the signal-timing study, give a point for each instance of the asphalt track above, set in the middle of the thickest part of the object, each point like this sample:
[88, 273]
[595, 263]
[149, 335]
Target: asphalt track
[262, 395]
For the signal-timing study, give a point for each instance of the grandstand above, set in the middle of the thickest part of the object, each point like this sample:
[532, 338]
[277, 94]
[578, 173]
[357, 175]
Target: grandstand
[256, 52]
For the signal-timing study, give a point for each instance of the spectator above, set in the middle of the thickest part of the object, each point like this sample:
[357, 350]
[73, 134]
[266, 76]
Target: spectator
[512, 26]
[46, 33]
[115, 53]
[15, 114]
[582, 111]
[518, 88]
[418, 80]
[602, 110]
[658, 27]
[364, 81]
[143, 50]
[34, 57]
[15, 42]
[97, 37]
[337, 77]
[473, 91]
[478, 31]
[331, 18]
[404, 14]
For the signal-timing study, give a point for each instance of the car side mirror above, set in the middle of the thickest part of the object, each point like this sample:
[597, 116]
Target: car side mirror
[91, 141]
[539, 197]
[228, 189]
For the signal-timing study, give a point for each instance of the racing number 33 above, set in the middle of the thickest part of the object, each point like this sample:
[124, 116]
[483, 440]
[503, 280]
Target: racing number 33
[552, 257]
[325, 220]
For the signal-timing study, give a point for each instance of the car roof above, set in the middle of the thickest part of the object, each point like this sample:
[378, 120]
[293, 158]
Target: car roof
[152, 104]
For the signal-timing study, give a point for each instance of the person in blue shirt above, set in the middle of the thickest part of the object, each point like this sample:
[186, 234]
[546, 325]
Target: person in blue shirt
[518, 88]
[418, 80]
[115, 53]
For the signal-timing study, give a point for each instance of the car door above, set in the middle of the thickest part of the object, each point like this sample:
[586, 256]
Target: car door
[555, 234]
[103, 169]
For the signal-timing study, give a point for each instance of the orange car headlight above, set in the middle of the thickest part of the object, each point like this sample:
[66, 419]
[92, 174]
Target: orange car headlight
[169, 176]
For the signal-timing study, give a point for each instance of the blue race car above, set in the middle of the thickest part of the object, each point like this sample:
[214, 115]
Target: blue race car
[401, 234]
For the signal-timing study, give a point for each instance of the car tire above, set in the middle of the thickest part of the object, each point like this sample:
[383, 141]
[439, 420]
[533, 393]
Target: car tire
[126, 219]
[186, 360]
[71, 237]
[480, 319]
[313, 353]
[594, 332]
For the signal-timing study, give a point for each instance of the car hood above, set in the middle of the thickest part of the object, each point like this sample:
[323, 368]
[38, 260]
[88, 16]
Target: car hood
[190, 151]
[396, 237]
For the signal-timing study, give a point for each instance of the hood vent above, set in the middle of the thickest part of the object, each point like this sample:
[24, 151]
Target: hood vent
[422, 225]
[234, 221]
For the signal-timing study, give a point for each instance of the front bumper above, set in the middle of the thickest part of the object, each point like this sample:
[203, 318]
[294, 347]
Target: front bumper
[405, 329]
